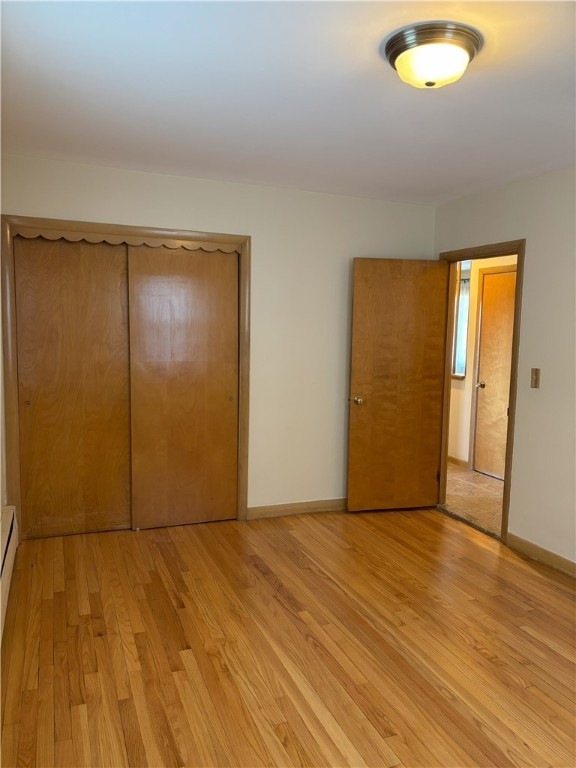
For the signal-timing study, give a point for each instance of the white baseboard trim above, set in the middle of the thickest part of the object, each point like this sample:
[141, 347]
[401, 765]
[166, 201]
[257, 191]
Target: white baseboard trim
[9, 545]
[459, 462]
[297, 508]
[541, 555]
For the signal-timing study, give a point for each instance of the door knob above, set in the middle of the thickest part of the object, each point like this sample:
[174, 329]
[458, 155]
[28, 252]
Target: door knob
[480, 385]
[358, 399]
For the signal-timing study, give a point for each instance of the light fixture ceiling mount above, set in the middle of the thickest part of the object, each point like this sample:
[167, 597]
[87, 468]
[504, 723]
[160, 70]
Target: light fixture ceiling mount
[433, 53]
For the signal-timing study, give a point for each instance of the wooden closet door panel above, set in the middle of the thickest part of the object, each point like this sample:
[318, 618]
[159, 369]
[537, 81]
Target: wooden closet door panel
[73, 371]
[184, 380]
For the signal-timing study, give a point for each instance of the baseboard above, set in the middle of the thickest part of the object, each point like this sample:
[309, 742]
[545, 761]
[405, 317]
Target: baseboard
[459, 462]
[541, 555]
[298, 508]
[9, 545]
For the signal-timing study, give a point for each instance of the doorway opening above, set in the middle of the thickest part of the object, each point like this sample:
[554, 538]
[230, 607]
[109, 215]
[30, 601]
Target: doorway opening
[480, 395]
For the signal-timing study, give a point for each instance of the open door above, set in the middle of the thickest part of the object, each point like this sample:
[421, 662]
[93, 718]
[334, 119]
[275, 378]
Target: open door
[396, 383]
[494, 360]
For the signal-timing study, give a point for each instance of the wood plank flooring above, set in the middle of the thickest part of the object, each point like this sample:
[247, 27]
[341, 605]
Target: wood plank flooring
[375, 639]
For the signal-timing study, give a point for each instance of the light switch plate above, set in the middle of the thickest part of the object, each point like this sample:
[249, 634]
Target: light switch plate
[535, 378]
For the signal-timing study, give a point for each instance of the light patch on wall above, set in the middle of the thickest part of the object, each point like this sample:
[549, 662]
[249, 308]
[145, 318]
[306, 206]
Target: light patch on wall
[169, 303]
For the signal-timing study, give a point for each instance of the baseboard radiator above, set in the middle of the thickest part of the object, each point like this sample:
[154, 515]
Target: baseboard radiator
[9, 544]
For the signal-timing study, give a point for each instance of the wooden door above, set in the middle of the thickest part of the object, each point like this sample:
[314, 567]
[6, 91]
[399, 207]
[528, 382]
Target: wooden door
[72, 342]
[496, 325]
[184, 382]
[397, 381]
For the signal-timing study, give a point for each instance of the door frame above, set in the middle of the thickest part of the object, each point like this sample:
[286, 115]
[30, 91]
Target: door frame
[476, 366]
[56, 229]
[508, 248]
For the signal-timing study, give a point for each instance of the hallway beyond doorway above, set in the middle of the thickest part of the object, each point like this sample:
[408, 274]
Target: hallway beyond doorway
[474, 498]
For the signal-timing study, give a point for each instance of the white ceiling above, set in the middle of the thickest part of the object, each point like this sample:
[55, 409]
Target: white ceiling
[289, 94]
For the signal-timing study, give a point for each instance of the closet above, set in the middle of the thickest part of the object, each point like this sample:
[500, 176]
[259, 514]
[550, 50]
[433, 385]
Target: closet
[126, 360]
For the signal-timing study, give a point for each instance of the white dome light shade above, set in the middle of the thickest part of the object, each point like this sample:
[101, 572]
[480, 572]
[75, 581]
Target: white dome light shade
[432, 65]
[432, 54]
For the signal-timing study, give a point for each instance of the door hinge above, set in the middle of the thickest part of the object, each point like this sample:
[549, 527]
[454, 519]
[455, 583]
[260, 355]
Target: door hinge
[438, 476]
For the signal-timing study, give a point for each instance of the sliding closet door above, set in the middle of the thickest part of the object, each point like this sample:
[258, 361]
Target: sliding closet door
[184, 381]
[73, 370]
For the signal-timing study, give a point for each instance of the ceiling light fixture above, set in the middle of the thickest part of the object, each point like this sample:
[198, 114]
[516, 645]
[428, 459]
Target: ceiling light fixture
[434, 53]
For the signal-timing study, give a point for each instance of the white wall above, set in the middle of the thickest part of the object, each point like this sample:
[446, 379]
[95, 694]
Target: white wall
[302, 247]
[461, 390]
[542, 505]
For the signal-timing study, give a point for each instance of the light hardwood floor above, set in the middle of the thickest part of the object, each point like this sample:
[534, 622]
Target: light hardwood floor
[375, 639]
